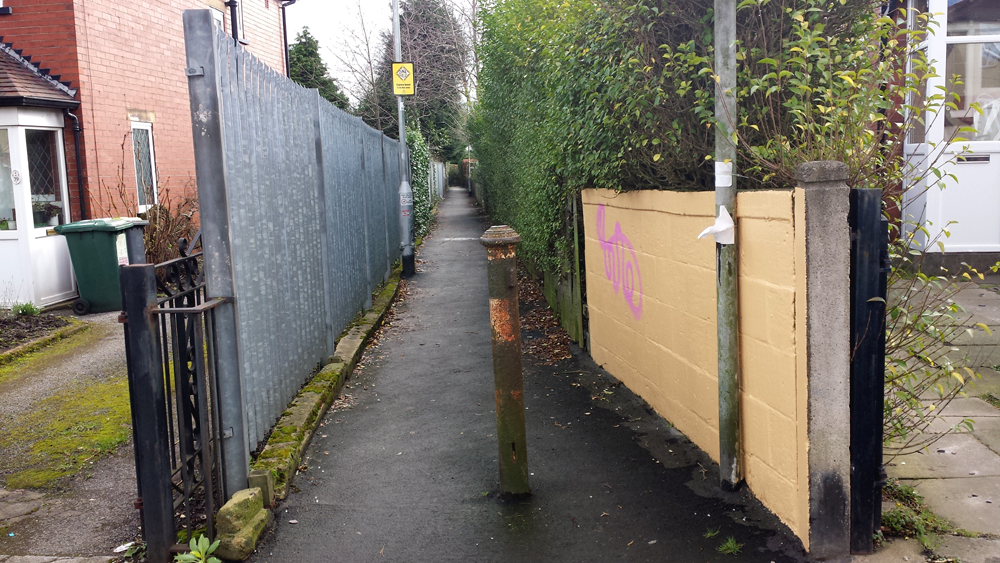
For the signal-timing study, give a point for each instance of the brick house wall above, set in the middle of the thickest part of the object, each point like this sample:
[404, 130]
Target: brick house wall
[127, 61]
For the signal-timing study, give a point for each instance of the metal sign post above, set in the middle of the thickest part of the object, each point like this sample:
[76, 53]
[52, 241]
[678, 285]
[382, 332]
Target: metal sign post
[405, 191]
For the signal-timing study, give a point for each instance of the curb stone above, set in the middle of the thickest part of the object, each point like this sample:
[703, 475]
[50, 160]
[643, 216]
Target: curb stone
[16, 352]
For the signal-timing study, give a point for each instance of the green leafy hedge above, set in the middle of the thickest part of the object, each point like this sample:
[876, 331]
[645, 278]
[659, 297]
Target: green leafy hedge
[616, 95]
[420, 159]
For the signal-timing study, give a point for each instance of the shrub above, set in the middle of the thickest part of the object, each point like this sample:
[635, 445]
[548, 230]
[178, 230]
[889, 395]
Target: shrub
[420, 158]
[24, 309]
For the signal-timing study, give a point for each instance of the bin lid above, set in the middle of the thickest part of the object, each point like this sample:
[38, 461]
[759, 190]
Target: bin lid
[107, 225]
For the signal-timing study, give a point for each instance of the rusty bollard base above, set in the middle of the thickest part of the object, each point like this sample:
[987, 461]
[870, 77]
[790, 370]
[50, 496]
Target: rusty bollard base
[500, 242]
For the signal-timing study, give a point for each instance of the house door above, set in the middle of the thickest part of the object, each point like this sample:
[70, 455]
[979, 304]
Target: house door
[968, 208]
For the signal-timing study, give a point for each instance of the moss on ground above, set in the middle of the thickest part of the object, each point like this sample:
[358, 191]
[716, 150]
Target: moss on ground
[67, 432]
[912, 518]
[39, 359]
[991, 399]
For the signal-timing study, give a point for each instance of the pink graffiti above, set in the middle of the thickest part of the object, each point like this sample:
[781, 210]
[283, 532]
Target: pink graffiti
[621, 265]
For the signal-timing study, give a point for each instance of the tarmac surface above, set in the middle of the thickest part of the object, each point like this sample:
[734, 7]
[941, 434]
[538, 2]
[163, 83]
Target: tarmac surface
[406, 470]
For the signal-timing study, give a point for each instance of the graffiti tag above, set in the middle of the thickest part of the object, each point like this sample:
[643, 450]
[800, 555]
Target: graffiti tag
[621, 265]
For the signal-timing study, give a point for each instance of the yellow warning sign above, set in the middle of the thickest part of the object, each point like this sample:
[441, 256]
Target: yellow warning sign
[402, 79]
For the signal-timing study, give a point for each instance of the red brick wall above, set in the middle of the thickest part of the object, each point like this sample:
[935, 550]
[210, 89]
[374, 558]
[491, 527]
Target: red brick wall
[46, 31]
[125, 56]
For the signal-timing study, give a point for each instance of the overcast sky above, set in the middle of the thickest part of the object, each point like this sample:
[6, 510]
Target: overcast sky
[333, 22]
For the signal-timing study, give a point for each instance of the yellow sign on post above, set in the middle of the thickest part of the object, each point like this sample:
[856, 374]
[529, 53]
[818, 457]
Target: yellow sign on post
[402, 79]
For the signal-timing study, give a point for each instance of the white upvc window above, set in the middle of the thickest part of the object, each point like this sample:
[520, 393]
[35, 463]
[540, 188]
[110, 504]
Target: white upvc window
[144, 158]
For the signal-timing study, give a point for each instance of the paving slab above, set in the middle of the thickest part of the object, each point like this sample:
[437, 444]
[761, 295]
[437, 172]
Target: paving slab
[953, 456]
[972, 503]
[970, 407]
[981, 303]
[978, 356]
[988, 382]
[969, 550]
[893, 551]
[987, 431]
[974, 334]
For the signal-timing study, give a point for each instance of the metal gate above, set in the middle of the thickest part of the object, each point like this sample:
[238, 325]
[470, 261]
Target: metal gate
[869, 271]
[171, 353]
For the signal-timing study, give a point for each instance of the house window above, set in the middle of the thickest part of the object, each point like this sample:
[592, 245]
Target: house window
[973, 55]
[240, 31]
[145, 164]
[44, 177]
[917, 21]
[6, 185]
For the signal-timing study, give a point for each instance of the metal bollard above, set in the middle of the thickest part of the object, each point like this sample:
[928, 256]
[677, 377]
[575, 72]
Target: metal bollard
[500, 242]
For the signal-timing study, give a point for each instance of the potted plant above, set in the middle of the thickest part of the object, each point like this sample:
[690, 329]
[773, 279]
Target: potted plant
[43, 213]
[5, 224]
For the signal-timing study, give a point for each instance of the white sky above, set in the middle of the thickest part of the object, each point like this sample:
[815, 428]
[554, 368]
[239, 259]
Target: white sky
[333, 23]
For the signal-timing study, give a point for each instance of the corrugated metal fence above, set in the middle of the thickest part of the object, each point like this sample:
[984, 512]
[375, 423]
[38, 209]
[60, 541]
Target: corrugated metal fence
[300, 219]
[438, 179]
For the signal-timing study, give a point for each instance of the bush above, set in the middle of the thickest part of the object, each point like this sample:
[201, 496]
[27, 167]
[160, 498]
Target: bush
[170, 219]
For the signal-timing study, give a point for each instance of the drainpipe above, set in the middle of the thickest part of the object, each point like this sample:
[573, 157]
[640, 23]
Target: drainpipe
[79, 161]
[284, 32]
[234, 27]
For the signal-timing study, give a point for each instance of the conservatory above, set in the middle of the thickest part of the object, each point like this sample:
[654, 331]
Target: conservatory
[34, 262]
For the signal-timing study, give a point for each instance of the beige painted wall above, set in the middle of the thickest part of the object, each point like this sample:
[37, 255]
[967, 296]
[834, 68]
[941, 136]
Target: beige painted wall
[652, 307]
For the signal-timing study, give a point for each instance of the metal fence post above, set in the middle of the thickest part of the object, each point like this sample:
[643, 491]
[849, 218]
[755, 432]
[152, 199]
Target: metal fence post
[500, 242]
[151, 442]
[210, 168]
[868, 241]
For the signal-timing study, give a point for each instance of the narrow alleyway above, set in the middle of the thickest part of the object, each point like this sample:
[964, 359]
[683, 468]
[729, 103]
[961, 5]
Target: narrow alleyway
[406, 469]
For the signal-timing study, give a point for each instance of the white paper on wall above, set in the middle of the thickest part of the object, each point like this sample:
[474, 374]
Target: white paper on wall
[723, 230]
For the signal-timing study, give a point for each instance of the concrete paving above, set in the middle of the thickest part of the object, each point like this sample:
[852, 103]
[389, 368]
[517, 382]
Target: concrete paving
[409, 473]
[959, 475]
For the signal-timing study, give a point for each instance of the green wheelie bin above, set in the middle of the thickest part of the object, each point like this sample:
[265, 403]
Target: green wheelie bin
[97, 247]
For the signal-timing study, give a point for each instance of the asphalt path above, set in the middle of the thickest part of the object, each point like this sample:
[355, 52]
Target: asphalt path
[408, 472]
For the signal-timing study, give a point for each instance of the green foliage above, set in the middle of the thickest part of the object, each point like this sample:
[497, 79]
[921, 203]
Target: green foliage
[201, 552]
[306, 67]
[610, 95]
[910, 517]
[711, 532]
[24, 309]
[730, 546]
[423, 207]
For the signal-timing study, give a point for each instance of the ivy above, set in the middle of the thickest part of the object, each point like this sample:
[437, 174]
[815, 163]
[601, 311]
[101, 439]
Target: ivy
[420, 158]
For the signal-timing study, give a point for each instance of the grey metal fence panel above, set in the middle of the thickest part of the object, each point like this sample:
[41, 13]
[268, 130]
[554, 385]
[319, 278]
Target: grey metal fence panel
[313, 225]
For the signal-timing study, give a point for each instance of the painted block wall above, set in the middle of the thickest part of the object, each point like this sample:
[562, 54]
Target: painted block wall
[651, 296]
[127, 58]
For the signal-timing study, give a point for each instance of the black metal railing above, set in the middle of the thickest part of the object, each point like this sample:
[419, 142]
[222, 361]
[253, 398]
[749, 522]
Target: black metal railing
[170, 345]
